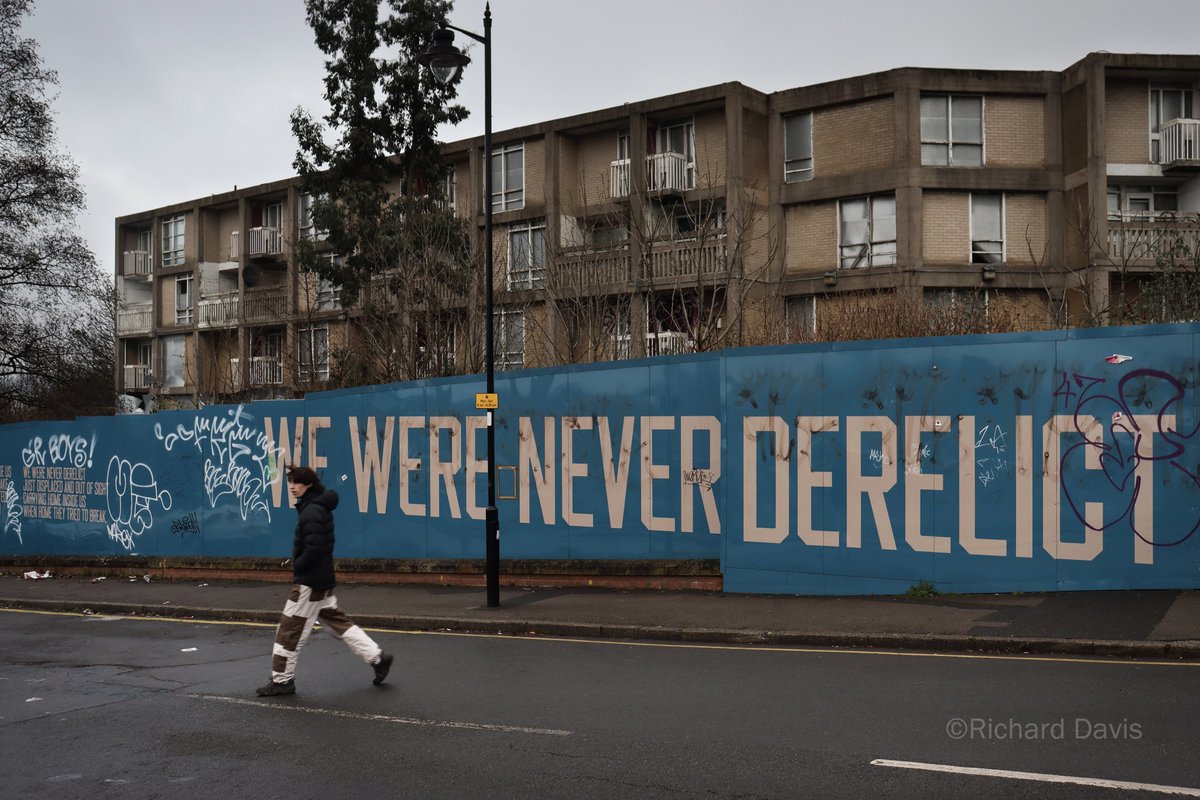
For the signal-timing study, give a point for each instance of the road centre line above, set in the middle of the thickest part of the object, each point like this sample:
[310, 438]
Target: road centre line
[430, 723]
[742, 648]
[1039, 777]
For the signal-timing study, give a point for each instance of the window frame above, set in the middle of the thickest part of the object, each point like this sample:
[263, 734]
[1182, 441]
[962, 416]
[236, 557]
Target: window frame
[1155, 115]
[531, 275]
[874, 252]
[174, 379]
[800, 315]
[173, 240]
[185, 286]
[505, 197]
[662, 141]
[797, 174]
[504, 356]
[979, 254]
[312, 369]
[306, 226]
[951, 139]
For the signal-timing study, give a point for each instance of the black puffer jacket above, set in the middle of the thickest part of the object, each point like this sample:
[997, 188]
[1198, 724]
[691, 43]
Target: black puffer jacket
[312, 550]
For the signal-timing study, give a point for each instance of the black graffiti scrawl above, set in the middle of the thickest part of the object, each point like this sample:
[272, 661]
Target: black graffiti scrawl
[1142, 414]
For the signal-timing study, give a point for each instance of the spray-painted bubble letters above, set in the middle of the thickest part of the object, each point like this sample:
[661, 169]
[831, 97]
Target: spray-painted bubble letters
[132, 494]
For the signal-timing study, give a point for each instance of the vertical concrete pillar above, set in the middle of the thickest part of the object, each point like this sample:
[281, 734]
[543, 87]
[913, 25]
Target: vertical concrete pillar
[638, 245]
[1097, 186]
[735, 211]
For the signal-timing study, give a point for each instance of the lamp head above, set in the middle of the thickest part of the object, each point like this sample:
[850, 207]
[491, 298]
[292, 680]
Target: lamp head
[444, 60]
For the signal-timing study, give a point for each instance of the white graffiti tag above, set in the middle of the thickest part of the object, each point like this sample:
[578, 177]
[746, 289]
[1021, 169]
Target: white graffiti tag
[12, 512]
[132, 493]
[74, 450]
[238, 460]
[989, 469]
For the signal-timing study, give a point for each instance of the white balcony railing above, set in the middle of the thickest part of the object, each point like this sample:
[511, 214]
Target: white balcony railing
[263, 371]
[219, 309]
[618, 173]
[265, 242]
[664, 172]
[680, 261]
[668, 343]
[667, 171]
[137, 376]
[136, 262]
[135, 318]
[1180, 142]
[235, 246]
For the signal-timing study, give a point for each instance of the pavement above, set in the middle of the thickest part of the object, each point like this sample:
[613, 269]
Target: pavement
[1144, 624]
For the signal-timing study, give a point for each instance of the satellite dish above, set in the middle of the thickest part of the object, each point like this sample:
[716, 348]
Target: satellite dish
[251, 274]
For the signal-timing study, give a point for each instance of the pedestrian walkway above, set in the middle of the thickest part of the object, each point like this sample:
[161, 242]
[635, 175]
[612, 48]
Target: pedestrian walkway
[1163, 623]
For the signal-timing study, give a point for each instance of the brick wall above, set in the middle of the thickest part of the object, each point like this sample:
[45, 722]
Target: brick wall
[811, 231]
[535, 173]
[710, 149]
[1127, 121]
[946, 226]
[1015, 131]
[854, 138]
[1025, 228]
[589, 181]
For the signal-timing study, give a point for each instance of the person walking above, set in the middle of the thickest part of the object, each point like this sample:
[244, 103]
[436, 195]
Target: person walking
[312, 597]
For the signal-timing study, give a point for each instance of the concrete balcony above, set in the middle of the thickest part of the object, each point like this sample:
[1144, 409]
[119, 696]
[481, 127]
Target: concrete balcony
[219, 310]
[681, 262]
[1142, 238]
[594, 268]
[136, 263]
[135, 318]
[265, 305]
[265, 242]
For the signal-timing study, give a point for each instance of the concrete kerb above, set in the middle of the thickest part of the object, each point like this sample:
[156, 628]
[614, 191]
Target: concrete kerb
[953, 643]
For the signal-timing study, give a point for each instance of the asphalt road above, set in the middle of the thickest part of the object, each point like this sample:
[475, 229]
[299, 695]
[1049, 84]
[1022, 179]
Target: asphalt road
[100, 707]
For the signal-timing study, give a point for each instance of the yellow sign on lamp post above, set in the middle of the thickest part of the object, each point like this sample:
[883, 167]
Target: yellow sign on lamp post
[488, 401]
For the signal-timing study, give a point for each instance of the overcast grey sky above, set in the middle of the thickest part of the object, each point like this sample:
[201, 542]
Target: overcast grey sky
[162, 101]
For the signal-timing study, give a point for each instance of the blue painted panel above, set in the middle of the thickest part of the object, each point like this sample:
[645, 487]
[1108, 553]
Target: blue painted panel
[1036, 460]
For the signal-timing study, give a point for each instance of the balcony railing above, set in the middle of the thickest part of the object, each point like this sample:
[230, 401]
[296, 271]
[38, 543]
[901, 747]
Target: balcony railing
[1180, 143]
[136, 262]
[135, 318]
[1136, 237]
[262, 371]
[265, 242]
[235, 246]
[667, 343]
[219, 309]
[687, 260]
[578, 270]
[137, 376]
[266, 305]
[664, 172]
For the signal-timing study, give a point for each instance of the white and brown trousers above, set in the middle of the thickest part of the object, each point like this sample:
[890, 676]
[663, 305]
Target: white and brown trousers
[305, 607]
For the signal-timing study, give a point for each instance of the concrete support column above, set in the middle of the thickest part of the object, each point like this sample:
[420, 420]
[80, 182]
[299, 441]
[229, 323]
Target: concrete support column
[638, 246]
[559, 342]
[736, 211]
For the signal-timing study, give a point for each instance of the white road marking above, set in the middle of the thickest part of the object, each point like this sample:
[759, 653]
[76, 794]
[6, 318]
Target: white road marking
[1040, 777]
[471, 726]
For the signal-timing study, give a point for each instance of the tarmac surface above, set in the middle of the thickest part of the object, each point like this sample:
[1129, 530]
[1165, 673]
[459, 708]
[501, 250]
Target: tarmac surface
[1145, 624]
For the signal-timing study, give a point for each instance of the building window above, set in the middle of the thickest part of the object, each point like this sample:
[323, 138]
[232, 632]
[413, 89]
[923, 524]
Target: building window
[1166, 103]
[313, 352]
[867, 231]
[1140, 202]
[449, 185]
[527, 255]
[172, 241]
[173, 368]
[509, 339]
[678, 138]
[797, 147]
[987, 228]
[272, 216]
[623, 146]
[508, 178]
[183, 299]
[308, 229]
[951, 130]
[143, 241]
[800, 317]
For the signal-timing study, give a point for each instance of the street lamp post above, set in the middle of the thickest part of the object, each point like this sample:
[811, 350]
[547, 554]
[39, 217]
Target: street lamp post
[445, 61]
